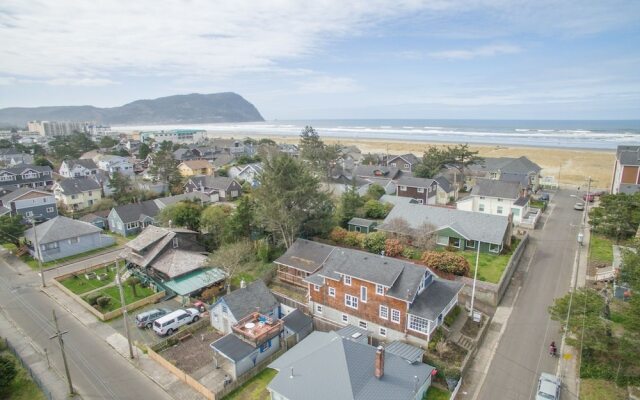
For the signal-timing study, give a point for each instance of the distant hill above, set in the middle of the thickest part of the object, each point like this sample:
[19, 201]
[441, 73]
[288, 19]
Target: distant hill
[191, 108]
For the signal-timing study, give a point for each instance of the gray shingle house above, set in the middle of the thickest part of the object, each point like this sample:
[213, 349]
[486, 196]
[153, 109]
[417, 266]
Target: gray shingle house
[130, 219]
[232, 307]
[63, 237]
[328, 366]
[218, 187]
[519, 169]
[297, 324]
[26, 175]
[30, 203]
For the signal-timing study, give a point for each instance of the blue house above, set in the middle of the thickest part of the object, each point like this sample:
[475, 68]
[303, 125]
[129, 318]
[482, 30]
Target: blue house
[30, 203]
[64, 237]
[130, 219]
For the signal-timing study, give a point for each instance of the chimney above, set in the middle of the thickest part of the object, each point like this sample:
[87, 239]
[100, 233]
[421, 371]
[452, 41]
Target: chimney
[379, 370]
[243, 284]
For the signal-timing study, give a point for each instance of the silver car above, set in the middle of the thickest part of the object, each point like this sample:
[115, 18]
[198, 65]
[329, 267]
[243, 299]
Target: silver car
[578, 206]
[145, 319]
[548, 387]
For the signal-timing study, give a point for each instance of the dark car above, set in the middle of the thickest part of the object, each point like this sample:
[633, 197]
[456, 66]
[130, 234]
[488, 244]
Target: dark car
[544, 197]
[589, 197]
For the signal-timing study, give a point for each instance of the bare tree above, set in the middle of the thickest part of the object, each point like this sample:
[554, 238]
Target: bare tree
[424, 237]
[399, 228]
[232, 258]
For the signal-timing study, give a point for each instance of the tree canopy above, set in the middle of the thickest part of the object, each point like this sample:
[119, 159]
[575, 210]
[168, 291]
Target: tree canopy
[617, 216]
[185, 214]
[11, 228]
[71, 146]
[165, 169]
[320, 156]
[435, 158]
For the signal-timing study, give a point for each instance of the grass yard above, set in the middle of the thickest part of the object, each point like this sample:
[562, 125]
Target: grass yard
[435, 393]
[600, 250]
[79, 284]
[252, 271]
[598, 389]
[33, 263]
[129, 298]
[490, 266]
[21, 387]
[255, 388]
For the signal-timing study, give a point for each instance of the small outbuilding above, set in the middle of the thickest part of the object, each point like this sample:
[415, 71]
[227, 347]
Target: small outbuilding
[362, 225]
[297, 324]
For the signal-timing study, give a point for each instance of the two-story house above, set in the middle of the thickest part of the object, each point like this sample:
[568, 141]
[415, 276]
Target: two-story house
[78, 168]
[497, 198]
[26, 175]
[520, 169]
[234, 306]
[626, 170]
[30, 203]
[404, 162]
[11, 156]
[218, 187]
[195, 167]
[423, 190]
[77, 193]
[248, 173]
[112, 164]
[392, 298]
[129, 219]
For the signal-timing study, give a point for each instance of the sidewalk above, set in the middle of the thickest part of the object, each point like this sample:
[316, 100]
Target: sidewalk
[163, 378]
[53, 381]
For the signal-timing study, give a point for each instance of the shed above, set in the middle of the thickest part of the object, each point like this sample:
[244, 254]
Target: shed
[297, 324]
[362, 225]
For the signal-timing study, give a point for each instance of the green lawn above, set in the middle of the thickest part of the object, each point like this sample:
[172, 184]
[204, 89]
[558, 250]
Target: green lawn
[490, 267]
[255, 388]
[22, 387]
[79, 284]
[435, 393]
[129, 298]
[600, 250]
[598, 389]
[33, 263]
[251, 271]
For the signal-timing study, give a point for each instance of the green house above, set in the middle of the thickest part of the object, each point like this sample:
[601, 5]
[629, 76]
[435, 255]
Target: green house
[362, 225]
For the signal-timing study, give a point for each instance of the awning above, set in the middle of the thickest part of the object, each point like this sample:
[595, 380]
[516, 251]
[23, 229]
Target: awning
[195, 280]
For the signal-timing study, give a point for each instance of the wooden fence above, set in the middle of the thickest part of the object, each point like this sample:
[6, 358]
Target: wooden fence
[183, 376]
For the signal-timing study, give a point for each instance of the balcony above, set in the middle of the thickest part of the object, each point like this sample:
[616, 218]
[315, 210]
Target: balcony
[257, 328]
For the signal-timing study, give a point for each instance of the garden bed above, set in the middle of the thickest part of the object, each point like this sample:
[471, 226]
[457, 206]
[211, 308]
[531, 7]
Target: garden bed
[471, 328]
[113, 293]
[85, 282]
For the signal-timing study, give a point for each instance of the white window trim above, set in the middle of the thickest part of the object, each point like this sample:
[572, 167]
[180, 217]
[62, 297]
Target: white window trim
[363, 324]
[319, 308]
[345, 318]
[316, 288]
[351, 299]
[380, 290]
[471, 247]
[393, 311]
[383, 331]
[381, 314]
[403, 188]
[418, 323]
[363, 294]
[420, 190]
[347, 280]
[496, 250]
[332, 292]
[445, 243]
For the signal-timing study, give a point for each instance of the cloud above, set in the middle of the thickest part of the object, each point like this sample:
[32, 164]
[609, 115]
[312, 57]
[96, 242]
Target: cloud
[80, 82]
[328, 85]
[482, 51]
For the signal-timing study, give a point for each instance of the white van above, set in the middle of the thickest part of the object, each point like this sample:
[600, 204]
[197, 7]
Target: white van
[171, 322]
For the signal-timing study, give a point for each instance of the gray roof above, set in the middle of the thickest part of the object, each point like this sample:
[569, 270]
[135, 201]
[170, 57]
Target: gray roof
[17, 170]
[434, 298]
[232, 347]
[85, 162]
[255, 297]
[628, 155]
[296, 320]
[305, 255]
[9, 197]
[444, 183]
[212, 182]
[409, 157]
[137, 211]
[77, 185]
[60, 228]
[506, 164]
[393, 199]
[222, 160]
[478, 226]
[362, 222]
[177, 262]
[494, 188]
[629, 189]
[410, 353]
[522, 179]
[326, 366]
[380, 171]
[192, 196]
[522, 201]
[413, 181]
[353, 332]
[362, 265]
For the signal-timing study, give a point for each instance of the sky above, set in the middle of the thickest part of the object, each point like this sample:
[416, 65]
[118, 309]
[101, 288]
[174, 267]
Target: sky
[493, 59]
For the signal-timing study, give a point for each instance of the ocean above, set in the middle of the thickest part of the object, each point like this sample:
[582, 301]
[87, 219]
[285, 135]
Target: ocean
[602, 135]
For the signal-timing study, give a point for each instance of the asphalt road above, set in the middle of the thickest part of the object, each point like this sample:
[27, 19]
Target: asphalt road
[97, 371]
[543, 274]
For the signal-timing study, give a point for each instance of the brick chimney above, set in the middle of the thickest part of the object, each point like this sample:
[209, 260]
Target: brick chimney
[379, 367]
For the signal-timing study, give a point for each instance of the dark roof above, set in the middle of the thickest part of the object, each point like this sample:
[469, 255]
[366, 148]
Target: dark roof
[628, 155]
[305, 255]
[495, 188]
[60, 228]
[413, 181]
[362, 265]
[232, 347]
[353, 332]
[255, 297]
[9, 197]
[212, 182]
[134, 212]
[522, 179]
[296, 320]
[444, 183]
[362, 222]
[77, 185]
[17, 170]
[91, 217]
[521, 201]
[409, 157]
[410, 353]
[434, 298]
[85, 162]
[506, 164]
[222, 160]
[376, 171]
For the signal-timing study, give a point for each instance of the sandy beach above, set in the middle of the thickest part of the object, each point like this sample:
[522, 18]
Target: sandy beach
[570, 167]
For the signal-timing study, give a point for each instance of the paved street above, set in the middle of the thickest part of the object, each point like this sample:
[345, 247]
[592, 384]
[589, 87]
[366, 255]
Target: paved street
[98, 372]
[544, 274]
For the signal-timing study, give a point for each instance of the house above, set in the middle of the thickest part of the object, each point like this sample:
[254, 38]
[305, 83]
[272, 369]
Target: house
[453, 228]
[195, 167]
[77, 193]
[12, 157]
[405, 162]
[350, 157]
[376, 171]
[112, 164]
[626, 170]
[392, 298]
[509, 169]
[497, 198]
[361, 225]
[446, 192]
[292, 270]
[174, 260]
[30, 203]
[78, 168]
[196, 197]
[326, 365]
[129, 219]
[234, 306]
[248, 173]
[222, 160]
[297, 324]
[423, 190]
[64, 237]
[97, 218]
[181, 136]
[253, 339]
[290, 149]
[26, 175]
[218, 187]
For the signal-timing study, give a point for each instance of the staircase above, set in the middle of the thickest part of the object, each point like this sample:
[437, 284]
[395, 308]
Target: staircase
[22, 251]
[465, 342]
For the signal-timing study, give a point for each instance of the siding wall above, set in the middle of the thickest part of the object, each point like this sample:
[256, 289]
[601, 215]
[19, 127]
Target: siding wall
[66, 248]
[256, 357]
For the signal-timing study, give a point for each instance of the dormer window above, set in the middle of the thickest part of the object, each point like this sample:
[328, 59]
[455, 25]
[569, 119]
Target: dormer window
[347, 280]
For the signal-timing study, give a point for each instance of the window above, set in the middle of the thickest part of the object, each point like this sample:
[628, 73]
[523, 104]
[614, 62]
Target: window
[481, 207]
[471, 244]
[420, 190]
[319, 308]
[455, 242]
[380, 290]
[384, 312]
[264, 346]
[395, 315]
[224, 309]
[316, 288]
[481, 197]
[28, 213]
[351, 301]
[49, 246]
[50, 209]
[442, 240]
[332, 292]
[73, 196]
[345, 318]
[418, 324]
[403, 188]
[363, 294]
[363, 324]
[499, 210]
[406, 166]
[347, 280]
[420, 201]
[383, 331]
[74, 240]
[494, 248]
[90, 193]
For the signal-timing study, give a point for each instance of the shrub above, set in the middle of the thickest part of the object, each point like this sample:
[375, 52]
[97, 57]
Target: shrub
[375, 242]
[375, 191]
[375, 209]
[338, 234]
[355, 239]
[393, 247]
[8, 370]
[103, 301]
[446, 262]
[451, 317]
[409, 252]
[208, 295]
[92, 298]
[263, 251]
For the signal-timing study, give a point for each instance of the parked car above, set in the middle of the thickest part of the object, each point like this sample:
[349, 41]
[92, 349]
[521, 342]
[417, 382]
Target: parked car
[578, 206]
[544, 197]
[589, 197]
[145, 319]
[548, 387]
[171, 322]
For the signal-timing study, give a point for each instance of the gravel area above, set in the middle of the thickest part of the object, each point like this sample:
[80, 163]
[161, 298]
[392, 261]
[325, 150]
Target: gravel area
[193, 353]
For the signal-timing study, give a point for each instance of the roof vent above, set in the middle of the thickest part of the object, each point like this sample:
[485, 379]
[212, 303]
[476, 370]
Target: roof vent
[356, 335]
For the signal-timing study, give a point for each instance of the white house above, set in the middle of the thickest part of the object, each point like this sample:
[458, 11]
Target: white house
[248, 173]
[497, 198]
[111, 164]
[77, 168]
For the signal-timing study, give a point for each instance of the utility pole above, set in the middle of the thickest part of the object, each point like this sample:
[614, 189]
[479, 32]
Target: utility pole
[124, 309]
[586, 203]
[475, 278]
[64, 357]
[38, 252]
